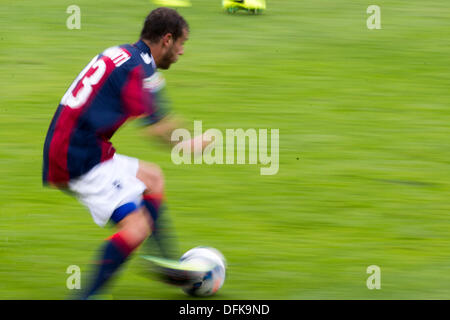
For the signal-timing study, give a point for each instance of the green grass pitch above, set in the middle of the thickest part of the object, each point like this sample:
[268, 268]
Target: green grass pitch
[364, 147]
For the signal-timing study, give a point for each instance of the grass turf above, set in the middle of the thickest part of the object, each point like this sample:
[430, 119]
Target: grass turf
[364, 149]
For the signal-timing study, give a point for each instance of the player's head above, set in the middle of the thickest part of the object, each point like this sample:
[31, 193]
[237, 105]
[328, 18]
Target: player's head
[165, 31]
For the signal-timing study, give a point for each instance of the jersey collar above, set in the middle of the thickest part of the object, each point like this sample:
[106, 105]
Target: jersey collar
[144, 51]
[143, 47]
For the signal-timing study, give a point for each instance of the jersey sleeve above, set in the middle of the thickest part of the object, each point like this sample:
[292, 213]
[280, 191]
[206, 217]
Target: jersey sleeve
[155, 86]
[135, 99]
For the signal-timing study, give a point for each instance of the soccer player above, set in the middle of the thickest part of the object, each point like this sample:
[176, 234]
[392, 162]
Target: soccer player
[119, 84]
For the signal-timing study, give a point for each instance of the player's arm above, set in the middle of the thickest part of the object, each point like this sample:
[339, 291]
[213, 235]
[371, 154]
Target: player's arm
[164, 128]
[161, 123]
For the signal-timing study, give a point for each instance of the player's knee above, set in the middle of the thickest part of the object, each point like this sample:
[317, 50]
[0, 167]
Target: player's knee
[152, 176]
[137, 226]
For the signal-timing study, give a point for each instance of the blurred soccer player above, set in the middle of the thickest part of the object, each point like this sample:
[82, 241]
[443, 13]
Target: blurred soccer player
[118, 84]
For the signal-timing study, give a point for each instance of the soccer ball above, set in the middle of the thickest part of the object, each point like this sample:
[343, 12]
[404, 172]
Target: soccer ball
[211, 280]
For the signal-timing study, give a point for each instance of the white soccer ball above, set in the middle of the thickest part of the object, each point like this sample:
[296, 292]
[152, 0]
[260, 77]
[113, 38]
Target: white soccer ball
[209, 281]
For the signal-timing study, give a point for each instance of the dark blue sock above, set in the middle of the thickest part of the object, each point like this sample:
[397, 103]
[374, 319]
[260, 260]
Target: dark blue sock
[162, 235]
[115, 253]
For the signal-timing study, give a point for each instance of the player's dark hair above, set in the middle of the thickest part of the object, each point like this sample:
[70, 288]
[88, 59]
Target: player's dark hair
[162, 21]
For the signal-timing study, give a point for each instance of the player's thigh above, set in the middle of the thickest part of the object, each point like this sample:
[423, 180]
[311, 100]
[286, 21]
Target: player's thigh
[152, 176]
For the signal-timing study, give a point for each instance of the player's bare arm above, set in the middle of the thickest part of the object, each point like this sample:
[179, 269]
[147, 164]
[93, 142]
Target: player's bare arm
[163, 130]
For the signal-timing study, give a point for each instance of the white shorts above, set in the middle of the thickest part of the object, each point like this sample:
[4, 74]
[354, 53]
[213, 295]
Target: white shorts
[109, 185]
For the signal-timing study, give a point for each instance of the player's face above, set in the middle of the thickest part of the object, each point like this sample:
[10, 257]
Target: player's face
[174, 49]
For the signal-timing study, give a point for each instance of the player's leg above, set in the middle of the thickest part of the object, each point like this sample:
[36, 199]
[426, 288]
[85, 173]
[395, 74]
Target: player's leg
[133, 229]
[152, 177]
[112, 193]
[153, 199]
[170, 271]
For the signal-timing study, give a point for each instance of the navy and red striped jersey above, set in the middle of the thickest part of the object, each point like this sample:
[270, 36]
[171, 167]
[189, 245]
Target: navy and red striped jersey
[115, 86]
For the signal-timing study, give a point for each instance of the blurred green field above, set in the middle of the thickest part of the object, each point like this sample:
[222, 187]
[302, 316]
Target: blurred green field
[364, 147]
